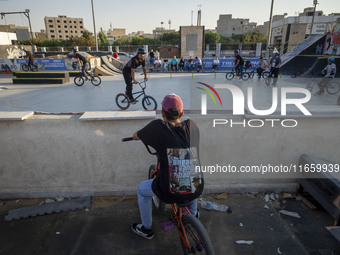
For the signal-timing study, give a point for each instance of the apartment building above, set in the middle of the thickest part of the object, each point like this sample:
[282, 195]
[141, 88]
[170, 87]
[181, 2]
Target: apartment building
[63, 27]
[227, 26]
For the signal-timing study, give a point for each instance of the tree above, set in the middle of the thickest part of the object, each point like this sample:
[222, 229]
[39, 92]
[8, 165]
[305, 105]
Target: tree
[212, 38]
[103, 39]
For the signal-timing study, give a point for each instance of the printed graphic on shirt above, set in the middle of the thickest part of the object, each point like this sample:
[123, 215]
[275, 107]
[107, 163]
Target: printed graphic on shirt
[183, 178]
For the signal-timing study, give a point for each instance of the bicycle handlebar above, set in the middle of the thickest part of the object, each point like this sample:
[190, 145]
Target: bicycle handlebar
[126, 139]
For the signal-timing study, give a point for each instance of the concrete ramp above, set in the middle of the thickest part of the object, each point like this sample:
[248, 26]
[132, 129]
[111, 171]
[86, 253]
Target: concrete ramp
[106, 61]
[99, 70]
[117, 63]
[309, 42]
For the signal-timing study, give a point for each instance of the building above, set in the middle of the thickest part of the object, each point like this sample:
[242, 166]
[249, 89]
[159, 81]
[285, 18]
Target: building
[263, 29]
[288, 32]
[227, 26]
[63, 27]
[161, 30]
[22, 33]
[40, 35]
[116, 33]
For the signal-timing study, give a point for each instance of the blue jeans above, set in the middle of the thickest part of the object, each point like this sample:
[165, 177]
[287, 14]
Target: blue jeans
[145, 195]
[239, 69]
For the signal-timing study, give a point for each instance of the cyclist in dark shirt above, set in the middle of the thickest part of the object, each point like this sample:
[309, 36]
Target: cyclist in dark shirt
[239, 62]
[129, 72]
[82, 61]
[29, 55]
[177, 146]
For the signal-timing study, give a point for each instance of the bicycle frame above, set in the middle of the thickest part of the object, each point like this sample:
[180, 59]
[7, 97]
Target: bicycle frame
[178, 212]
[142, 92]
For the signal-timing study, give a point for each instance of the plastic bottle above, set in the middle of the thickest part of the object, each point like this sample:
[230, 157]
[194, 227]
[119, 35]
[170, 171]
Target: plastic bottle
[215, 207]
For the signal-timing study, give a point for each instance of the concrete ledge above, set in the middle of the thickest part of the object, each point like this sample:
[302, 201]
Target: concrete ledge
[5, 116]
[127, 191]
[118, 115]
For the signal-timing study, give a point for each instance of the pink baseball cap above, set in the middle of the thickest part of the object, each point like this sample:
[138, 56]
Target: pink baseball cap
[172, 101]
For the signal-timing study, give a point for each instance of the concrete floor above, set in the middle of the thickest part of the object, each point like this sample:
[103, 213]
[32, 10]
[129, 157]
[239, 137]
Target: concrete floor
[105, 229]
[71, 98]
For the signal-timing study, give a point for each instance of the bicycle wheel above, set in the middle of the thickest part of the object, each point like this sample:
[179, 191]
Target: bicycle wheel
[95, 80]
[265, 74]
[251, 75]
[310, 86]
[25, 67]
[245, 76]
[268, 80]
[79, 81]
[333, 87]
[122, 101]
[198, 238]
[149, 103]
[34, 68]
[230, 76]
[158, 205]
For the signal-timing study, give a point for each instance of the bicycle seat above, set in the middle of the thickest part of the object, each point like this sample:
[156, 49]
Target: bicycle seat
[185, 204]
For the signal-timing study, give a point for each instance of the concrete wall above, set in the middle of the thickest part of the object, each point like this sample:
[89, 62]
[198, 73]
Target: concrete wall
[54, 155]
[187, 50]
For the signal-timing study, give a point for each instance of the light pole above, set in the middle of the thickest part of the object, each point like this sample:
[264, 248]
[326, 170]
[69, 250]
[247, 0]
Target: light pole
[94, 27]
[269, 29]
[315, 2]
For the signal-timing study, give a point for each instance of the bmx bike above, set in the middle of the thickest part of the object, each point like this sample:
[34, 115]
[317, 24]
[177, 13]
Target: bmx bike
[95, 80]
[148, 102]
[193, 235]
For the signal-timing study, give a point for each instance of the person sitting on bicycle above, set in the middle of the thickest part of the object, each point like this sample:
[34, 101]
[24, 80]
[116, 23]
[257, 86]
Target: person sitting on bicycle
[261, 67]
[275, 63]
[177, 146]
[239, 62]
[129, 72]
[329, 71]
[82, 61]
[30, 58]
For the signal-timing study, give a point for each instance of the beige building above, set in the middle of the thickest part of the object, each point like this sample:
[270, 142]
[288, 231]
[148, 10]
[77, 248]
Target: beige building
[41, 35]
[227, 26]
[162, 30]
[63, 27]
[22, 33]
[116, 33]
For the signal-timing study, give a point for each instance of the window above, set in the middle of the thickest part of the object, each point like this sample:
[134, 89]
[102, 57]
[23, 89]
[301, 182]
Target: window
[60, 36]
[51, 31]
[51, 25]
[58, 21]
[67, 36]
[70, 21]
[75, 26]
[65, 26]
[66, 31]
[64, 21]
[233, 29]
[82, 32]
[52, 36]
[59, 26]
[81, 26]
[74, 22]
[241, 22]
[70, 26]
[71, 32]
[59, 31]
[50, 20]
[80, 22]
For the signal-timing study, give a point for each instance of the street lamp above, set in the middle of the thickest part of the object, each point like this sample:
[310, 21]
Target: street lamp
[94, 27]
[315, 2]
[269, 30]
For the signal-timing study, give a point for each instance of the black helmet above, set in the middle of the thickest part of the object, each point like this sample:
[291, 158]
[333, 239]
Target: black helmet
[141, 51]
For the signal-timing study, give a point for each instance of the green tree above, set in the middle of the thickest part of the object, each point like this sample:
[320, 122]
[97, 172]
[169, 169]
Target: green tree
[103, 39]
[212, 37]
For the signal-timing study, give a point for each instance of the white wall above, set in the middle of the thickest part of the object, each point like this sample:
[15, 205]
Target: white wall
[6, 38]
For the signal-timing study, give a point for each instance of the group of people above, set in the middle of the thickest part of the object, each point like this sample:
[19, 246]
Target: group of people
[175, 64]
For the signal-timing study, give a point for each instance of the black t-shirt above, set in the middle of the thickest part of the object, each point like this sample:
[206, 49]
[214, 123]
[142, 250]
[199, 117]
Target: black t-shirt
[152, 54]
[29, 55]
[178, 149]
[133, 63]
[81, 58]
[238, 57]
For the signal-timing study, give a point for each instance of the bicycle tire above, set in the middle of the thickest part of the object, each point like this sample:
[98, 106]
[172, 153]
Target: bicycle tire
[265, 74]
[149, 103]
[25, 67]
[251, 75]
[245, 76]
[268, 80]
[157, 204]
[229, 76]
[122, 101]
[95, 80]
[198, 238]
[333, 87]
[34, 68]
[79, 81]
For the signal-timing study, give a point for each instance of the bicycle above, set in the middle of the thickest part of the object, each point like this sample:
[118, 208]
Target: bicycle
[148, 102]
[193, 235]
[332, 88]
[233, 73]
[264, 74]
[95, 80]
[26, 67]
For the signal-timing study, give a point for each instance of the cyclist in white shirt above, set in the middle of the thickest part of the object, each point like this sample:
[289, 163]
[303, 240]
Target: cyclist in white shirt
[329, 71]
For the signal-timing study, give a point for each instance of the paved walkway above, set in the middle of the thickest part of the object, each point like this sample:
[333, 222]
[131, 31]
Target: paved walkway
[105, 229]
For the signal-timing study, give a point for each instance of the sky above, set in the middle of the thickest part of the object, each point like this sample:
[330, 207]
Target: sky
[146, 15]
